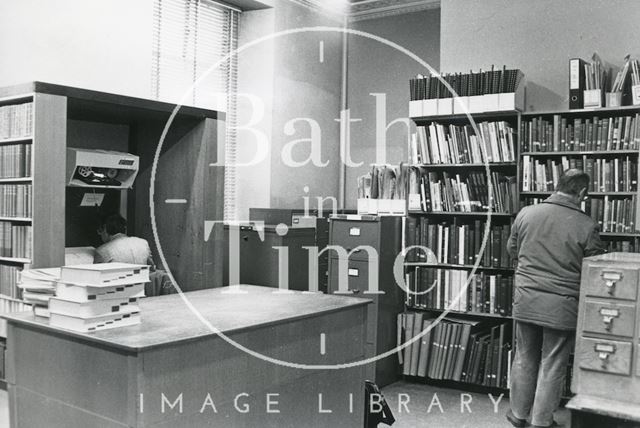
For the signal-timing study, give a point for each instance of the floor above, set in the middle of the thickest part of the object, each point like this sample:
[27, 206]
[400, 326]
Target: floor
[445, 408]
[479, 413]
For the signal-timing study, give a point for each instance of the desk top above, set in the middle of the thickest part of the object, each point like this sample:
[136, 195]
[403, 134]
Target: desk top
[167, 320]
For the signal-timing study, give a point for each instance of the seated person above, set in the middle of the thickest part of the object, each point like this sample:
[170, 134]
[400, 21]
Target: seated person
[118, 247]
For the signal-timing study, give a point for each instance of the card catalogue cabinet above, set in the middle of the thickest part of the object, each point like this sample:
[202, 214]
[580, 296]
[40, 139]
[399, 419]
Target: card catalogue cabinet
[606, 376]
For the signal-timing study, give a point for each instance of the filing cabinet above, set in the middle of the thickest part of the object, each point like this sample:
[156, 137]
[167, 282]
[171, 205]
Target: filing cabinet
[368, 272]
[606, 372]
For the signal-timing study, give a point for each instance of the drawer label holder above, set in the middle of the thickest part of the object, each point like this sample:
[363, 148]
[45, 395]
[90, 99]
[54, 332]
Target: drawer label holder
[604, 351]
[608, 315]
[610, 278]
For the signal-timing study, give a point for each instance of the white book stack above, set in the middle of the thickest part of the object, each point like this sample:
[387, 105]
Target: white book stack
[98, 296]
[38, 286]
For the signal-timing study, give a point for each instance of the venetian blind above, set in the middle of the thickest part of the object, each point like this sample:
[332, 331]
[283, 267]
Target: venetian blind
[191, 39]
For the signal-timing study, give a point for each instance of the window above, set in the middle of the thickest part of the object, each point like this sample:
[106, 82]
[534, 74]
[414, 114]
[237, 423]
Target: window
[189, 38]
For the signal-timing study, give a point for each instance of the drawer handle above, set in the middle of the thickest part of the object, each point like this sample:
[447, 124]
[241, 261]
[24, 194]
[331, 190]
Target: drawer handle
[604, 351]
[610, 279]
[608, 316]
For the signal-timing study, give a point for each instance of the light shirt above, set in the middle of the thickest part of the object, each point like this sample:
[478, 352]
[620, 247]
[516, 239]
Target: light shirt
[124, 249]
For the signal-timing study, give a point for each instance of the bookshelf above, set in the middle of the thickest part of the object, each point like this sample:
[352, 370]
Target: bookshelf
[440, 212]
[605, 142]
[32, 141]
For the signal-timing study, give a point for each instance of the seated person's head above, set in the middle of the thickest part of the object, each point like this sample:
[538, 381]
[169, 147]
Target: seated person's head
[111, 226]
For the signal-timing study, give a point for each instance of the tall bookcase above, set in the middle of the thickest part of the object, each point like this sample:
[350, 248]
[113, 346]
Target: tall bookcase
[463, 227]
[32, 158]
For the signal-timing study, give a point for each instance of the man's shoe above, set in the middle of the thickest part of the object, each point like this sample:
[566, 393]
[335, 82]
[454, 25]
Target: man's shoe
[516, 422]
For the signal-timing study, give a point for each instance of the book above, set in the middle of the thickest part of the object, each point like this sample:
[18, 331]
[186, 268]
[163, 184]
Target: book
[82, 293]
[92, 308]
[415, 346]
[104, 274]
[408, 329]
[125, 317]
[425, 349]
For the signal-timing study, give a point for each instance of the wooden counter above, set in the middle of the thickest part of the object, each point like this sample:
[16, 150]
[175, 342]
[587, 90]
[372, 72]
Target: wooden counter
[131, 376]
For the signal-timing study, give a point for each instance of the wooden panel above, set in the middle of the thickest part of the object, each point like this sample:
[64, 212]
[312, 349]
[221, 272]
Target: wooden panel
[213, 188]
[619, 282]
[49, 160]
[224, 372]
[183, 172]
[76, 374]
[620, 318]
[590, 353]
[34, 410]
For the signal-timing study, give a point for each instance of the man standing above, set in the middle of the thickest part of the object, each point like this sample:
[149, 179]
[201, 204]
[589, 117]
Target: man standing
[549, 241]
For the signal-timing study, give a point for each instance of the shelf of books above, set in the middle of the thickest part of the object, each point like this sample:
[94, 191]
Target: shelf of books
[31, 133]
[463, 196]
[604, 143]
[16, 132]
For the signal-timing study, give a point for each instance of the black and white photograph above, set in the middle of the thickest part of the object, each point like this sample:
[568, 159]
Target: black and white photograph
[319, 214]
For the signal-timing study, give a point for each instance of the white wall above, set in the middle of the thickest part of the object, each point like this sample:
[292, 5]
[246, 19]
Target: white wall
[93, 44]
[539, 37]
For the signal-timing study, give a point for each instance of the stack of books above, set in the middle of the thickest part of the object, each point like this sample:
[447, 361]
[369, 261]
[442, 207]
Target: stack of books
[494, 81]
[591, 134]
[452, 289]
[458, 243]
[459, 144]
[16, 120]
[619, 174]
[15, 240]
[469, 351]
[466, 192]
[38, 286]
[98, 296]
[15, 200]
[15, 160]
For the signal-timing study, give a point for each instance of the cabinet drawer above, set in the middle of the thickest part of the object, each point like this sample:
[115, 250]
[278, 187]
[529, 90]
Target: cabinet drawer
[607, 356]
[357, 281]
[350, 234]
[609, 318]
[612, 281]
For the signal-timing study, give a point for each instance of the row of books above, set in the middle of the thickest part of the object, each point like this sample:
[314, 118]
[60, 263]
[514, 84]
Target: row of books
[591, 134]
[15, 160]
[613, 215]
[457, 243]
[9, 306]
[457, 290]
[16, 200]
[384, 182]
[623, 245]
[446, 193]
[9, 280]
[607, 175]
[15, 240]
[494, 81]
[16, 120]
[455, 144]
[476, 352]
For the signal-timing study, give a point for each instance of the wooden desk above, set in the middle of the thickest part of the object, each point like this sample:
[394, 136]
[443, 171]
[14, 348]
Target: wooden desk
[117, 378]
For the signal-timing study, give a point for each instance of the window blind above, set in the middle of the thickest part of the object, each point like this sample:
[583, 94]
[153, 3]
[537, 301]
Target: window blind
[189, 38]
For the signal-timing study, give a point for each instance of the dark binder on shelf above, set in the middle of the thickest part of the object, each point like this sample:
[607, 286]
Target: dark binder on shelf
[576, 83]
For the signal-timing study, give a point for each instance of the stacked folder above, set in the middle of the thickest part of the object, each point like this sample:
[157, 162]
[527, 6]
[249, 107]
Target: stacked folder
[38, 286]
[98, 296]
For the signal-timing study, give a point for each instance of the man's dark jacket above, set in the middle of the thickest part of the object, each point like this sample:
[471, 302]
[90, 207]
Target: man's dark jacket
[549, 241]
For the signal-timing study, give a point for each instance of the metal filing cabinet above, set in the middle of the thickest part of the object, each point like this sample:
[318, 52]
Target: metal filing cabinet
[382, 234]
[606, 373]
